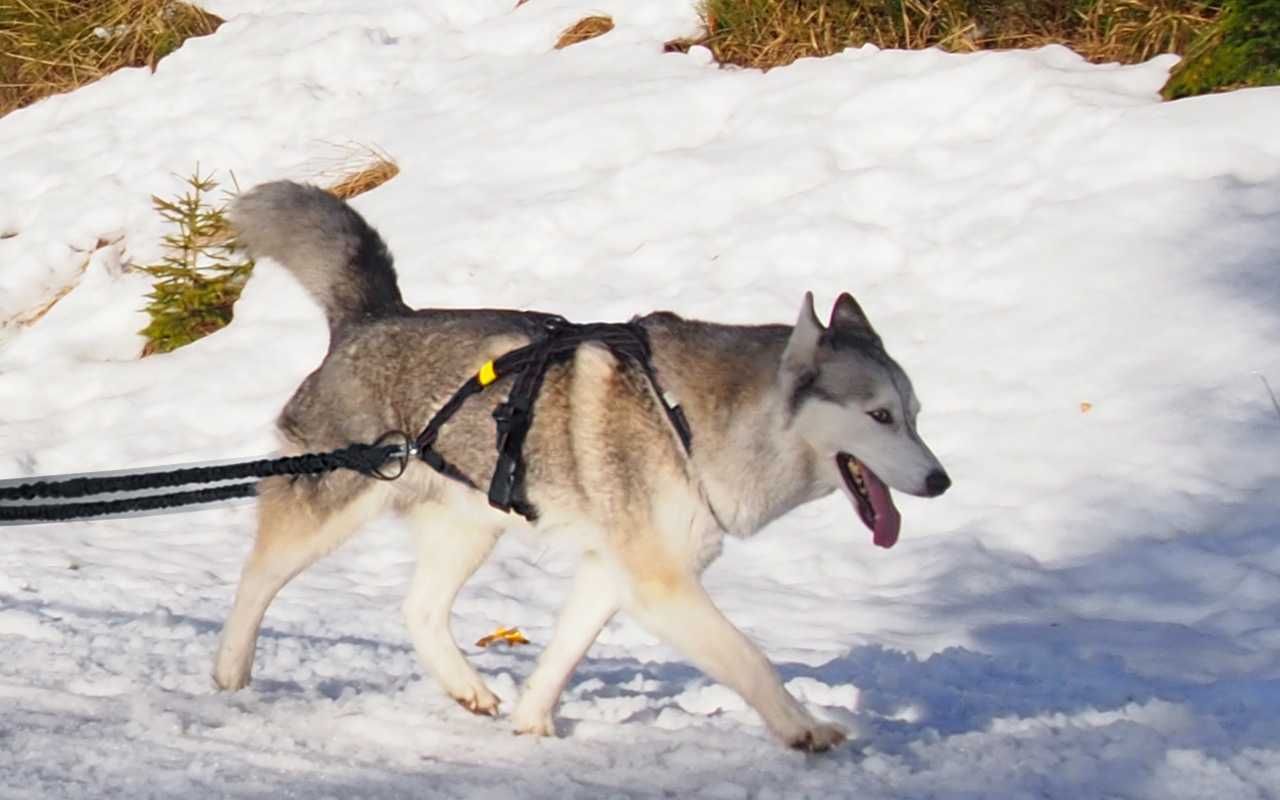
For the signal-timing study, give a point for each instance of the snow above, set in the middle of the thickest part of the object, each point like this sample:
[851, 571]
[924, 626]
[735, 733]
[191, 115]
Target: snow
[1090, 611]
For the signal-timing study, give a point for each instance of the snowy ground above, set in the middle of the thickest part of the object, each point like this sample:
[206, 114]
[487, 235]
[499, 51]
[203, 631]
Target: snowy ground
[1092, 611]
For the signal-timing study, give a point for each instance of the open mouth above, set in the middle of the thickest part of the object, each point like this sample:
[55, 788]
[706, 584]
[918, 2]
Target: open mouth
[871, 499]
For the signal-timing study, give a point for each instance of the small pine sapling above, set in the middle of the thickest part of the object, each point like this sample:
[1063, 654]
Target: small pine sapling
[201, 276]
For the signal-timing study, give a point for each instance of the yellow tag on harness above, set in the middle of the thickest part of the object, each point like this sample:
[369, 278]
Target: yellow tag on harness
[487, 374]
[508, 636]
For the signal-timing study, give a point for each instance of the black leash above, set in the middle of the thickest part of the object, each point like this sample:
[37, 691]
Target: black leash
[371, 460]
[385, 459]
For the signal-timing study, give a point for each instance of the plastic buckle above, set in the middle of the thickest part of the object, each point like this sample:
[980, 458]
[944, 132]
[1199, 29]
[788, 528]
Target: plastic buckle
[502, 486]
[509, 416]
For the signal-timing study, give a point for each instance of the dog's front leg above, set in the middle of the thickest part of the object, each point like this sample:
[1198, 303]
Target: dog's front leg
[678, 610]
[592, 602]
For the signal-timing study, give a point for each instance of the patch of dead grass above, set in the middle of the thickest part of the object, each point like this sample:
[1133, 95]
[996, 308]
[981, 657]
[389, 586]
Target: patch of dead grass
[1130, 31]
[53, 46]
[584, 29]
[770, 33]
[361, 169]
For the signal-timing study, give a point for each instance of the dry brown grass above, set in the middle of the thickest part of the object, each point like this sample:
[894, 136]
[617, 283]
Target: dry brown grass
[1130, 31]
[368, 169]
[771, 33]
[584, 29]
[53, 46]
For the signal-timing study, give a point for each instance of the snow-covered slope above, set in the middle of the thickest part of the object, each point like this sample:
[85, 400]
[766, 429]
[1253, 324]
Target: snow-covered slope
[1081, 280]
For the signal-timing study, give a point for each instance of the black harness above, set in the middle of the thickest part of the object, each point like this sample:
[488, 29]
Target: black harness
[528, 365]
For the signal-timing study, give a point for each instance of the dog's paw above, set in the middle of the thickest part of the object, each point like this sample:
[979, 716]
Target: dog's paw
[533, 724]
[230, 679]
[232, 666]
[480, 701]
[229, 685]
[817, 738]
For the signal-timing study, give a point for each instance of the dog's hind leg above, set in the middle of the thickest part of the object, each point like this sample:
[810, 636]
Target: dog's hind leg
[450, 549]
[673, 606]
[592, 602]
[292, 535]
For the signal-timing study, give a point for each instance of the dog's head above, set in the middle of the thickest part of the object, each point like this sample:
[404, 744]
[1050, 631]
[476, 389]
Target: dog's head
[855, 407]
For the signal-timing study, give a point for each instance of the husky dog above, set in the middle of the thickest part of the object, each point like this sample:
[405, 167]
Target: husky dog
[780, 415]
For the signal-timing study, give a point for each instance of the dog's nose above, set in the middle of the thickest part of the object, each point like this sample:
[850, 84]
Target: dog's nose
[936, 483]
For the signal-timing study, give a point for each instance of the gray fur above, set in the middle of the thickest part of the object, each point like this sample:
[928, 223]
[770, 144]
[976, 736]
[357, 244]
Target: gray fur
[327, 246]
[770, 407]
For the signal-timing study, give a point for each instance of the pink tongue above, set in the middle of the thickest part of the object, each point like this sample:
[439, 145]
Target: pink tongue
[888, 520]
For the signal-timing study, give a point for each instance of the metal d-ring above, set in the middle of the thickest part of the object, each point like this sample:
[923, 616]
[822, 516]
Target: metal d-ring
[406, 449]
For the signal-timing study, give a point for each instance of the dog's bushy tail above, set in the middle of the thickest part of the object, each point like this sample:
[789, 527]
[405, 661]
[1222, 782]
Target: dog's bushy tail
[337, 256]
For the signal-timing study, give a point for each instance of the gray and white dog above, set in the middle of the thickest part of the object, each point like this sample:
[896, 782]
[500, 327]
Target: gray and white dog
[780, 415]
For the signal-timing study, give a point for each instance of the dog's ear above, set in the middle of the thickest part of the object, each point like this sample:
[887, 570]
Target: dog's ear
[848, 319]
[802, 347]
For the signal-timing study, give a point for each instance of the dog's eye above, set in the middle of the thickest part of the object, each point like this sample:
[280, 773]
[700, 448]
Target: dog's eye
[881, 415]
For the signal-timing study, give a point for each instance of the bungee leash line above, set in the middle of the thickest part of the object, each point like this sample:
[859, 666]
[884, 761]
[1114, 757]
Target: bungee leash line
[18, 506]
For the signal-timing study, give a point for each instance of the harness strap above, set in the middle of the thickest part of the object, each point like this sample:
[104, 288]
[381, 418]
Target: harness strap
[514, 416]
